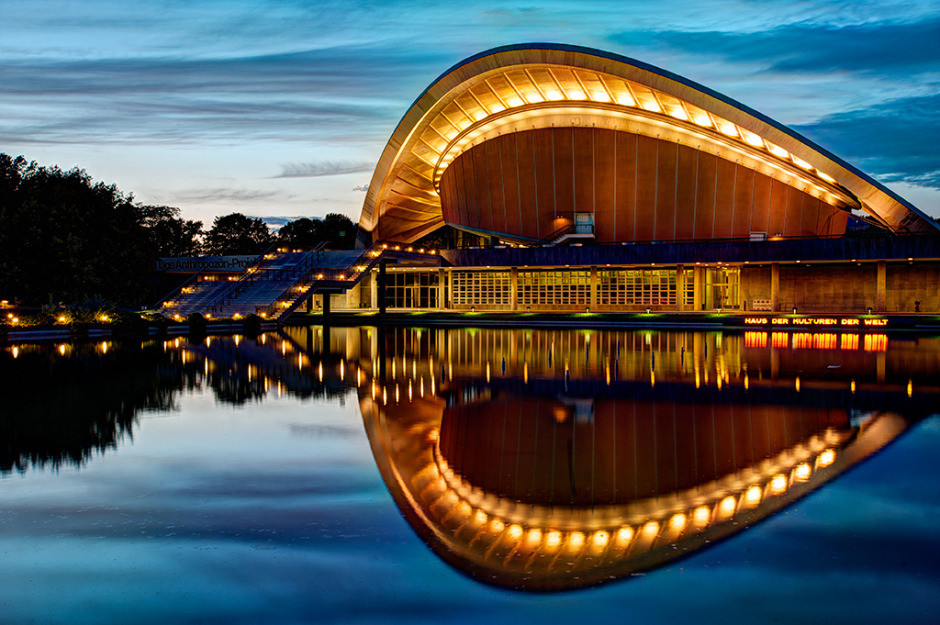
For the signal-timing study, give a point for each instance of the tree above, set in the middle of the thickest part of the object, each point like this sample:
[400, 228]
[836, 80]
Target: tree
[170, 234]
[340, 231]
[304, 233]
[64, 237]
[238, 234]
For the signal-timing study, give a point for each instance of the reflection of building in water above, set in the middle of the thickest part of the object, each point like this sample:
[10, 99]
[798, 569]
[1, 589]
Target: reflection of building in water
[537, 450]
[507, 492]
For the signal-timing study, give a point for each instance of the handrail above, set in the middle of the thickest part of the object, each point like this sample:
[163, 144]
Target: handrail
[179, 288]
[273, 310]
[557, 233]
[257, 262]
[848, 236]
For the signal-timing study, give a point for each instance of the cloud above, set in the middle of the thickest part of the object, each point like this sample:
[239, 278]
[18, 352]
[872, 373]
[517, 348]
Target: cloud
[323, 168]
[302, 96]
[895, 141]
[229, 195]
[361, 188]
[872, 48]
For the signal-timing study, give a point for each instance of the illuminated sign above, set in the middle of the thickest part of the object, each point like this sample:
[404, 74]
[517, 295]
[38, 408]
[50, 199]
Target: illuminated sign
[194, 264]
[814, 321]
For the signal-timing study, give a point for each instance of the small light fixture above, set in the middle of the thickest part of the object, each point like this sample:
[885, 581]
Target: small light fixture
[647, 310]
[794, 310]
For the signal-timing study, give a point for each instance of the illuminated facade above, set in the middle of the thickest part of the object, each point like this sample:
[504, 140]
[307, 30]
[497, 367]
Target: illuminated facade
[530, 148]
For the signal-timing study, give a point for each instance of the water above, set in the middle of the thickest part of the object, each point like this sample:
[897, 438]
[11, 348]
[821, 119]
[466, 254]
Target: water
[278, 480]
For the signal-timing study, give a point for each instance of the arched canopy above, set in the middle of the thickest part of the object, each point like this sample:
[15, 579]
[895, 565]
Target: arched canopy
[522, 87]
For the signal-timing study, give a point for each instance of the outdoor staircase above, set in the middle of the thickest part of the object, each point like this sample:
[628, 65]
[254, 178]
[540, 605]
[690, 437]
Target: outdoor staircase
[280, 282]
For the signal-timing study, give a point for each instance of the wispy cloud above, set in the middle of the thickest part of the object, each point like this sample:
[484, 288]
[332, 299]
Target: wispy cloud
[362, 188]
[895, 140]
[323, 168]
[869, 48]
[229, 195]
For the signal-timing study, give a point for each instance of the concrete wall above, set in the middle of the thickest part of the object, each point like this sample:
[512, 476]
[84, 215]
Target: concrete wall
[907, 284]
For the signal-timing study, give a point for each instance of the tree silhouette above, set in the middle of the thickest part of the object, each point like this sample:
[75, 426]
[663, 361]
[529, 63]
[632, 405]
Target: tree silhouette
[303, 233]
[238, 234]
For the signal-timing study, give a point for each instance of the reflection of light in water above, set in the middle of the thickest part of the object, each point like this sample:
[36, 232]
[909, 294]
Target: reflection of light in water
[624, 536]
[701, 516]
[575, 541]
[802, 472]
[677, 523]
[910, 388]
[778, 484]
[752, 496]
[796, 384]
[826, 458]
[342, 370]
[727, 506]
[852, 386]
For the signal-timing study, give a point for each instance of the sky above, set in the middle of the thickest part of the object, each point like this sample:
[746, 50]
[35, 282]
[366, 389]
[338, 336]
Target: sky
[280, 109]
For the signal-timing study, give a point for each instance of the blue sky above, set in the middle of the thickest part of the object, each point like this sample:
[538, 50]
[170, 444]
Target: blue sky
[281, 108]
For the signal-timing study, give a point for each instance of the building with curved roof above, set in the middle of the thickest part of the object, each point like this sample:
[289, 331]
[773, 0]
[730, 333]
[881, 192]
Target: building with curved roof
[561, 178]
[520, 142]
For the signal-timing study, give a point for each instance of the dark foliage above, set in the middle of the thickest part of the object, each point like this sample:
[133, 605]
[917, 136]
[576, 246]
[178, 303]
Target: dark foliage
[64, 237]
[335, 231]
[237, 234]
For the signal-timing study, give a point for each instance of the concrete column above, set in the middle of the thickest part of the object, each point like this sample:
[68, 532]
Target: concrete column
[698, 288]
[441, 289]
[881, 287]
[352, 297]
[680, 288]
[514, 288]
[593, 299]
[381, 287]
[373, 290]
[450, 286]
[326, 304]
[309, 304]
[774, 286]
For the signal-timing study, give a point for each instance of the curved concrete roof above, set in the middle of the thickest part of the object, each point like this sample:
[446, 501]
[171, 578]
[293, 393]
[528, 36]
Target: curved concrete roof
[538, 85]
